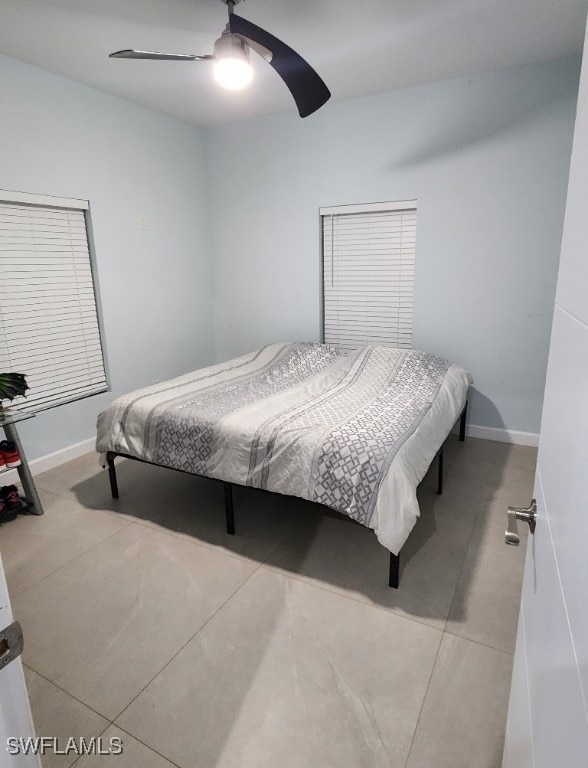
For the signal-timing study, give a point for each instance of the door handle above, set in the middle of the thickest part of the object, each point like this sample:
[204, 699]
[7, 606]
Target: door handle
[528, 514]
[11, 644]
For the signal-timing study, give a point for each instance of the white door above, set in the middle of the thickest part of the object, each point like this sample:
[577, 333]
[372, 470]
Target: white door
[548, 717]
[15, 714]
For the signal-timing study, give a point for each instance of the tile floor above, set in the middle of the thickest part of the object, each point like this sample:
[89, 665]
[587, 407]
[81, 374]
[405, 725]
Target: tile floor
[280, 646]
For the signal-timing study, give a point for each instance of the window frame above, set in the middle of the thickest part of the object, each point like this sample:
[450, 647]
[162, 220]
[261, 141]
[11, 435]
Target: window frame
[333, 210]
[41, 201]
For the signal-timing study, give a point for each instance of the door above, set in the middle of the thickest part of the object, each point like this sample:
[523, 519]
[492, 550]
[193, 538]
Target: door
[548, 717]
[15, 713]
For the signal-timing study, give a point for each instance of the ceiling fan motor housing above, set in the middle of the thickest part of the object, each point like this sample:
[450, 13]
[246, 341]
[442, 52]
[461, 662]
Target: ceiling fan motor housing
[230, 46]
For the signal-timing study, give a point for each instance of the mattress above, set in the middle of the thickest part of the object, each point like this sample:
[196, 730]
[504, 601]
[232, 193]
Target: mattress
[354, 431]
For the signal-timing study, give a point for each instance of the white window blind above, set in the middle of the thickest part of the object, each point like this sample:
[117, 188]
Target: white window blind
[368, 274]
[49, 326]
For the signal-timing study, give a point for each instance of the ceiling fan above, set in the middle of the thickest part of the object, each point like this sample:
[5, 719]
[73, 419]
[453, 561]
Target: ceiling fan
[233, 70]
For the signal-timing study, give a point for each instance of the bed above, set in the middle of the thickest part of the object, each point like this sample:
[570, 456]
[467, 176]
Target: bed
[355, 431]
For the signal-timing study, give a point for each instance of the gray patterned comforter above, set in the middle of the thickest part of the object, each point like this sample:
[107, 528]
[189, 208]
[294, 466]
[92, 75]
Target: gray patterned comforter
[353, 431]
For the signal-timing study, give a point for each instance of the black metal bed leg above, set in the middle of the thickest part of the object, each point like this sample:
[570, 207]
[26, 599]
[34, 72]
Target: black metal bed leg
[229, 512]
[440, 475]
[462, 422]
[112, 475]
[394, 575]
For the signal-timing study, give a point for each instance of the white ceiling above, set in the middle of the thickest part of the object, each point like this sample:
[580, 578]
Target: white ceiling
[359, 47]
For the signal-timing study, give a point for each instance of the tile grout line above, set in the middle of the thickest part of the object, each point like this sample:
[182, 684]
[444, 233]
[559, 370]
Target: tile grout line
[416, 725]
[478, 642]
[445, 631]
[263, 565]
[128, 733]
[69, 562]
[211, 547]
[477, 518]
[107, 720]
[467, 549]
[63, 690]
[189, 640]
[176, 534]
[302, 580]
[466, 639]
[128, 523]
[79, 757]
[218, 548]
[113, 724]
[275, 548]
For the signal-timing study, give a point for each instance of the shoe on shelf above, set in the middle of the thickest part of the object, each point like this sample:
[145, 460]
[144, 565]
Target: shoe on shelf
[3, 467]
[10, 454]
[7, 513]
[10, 498]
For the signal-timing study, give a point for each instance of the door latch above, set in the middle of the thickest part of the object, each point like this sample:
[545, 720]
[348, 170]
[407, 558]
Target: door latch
[528, 514]
[11, 643]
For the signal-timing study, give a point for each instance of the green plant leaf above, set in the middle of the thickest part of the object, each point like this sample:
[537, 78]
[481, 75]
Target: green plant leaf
[12, 385]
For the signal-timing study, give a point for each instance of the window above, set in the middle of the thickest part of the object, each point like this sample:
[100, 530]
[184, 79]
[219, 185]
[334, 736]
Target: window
[368, 274]
[49, 326]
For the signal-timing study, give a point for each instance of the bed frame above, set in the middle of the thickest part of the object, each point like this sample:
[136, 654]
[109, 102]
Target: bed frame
[394, 572]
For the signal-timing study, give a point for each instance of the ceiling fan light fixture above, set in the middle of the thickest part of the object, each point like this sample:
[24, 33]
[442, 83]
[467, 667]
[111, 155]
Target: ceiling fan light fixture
[232, 69]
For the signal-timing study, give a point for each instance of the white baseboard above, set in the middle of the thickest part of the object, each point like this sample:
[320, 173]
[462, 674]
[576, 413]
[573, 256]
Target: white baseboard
[503, 435]
[51, 460]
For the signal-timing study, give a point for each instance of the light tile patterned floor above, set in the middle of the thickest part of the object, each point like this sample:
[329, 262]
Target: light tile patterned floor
[282, 645]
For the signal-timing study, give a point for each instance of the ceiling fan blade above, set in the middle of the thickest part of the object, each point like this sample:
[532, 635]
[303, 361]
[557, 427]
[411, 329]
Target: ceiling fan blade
[129, 54]
[307, 88]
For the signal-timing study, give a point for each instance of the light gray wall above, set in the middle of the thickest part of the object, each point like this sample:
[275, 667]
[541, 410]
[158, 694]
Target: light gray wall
[58, 137]
[487, 158]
